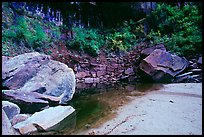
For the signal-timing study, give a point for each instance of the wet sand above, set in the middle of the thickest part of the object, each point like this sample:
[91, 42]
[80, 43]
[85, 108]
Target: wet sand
[175, 109]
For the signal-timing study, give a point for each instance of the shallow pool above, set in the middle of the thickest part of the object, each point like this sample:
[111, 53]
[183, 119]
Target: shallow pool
[97, 104]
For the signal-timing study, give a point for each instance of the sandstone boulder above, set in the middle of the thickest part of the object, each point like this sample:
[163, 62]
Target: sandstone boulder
[162, 66]
[44, 120]
[33, 71]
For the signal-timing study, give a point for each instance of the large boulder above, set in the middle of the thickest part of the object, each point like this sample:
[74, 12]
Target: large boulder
[7, 128]
[44, 120]
[162, 66]
[33, 71]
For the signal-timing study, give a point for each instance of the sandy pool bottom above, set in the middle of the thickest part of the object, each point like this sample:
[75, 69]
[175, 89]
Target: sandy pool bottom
[175, 109]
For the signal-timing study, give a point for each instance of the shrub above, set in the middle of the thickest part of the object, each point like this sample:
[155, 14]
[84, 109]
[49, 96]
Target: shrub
[178, 28]
[125, 38]
[87, 40]
[32, 35]
[40, 36]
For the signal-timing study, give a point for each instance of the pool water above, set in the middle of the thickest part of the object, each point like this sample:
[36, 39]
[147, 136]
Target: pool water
[95, 105]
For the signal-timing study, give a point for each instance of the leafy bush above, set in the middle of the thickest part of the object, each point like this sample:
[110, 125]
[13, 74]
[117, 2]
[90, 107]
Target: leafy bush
[87, 40]
[121, 39]
[33, 36]
[125, 38]
[178, 28]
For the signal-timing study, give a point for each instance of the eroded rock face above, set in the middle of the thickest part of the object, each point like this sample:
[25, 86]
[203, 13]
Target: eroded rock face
[44, 120]
[33, 71]
[163, 66]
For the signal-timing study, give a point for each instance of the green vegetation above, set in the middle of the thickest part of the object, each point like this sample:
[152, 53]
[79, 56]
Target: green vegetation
[87, 40]
[26, 33]
[122, 39]
[178, 28]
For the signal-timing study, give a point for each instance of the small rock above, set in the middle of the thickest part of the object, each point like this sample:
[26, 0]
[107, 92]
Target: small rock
[81, 75]
[100, 73]
[200, 60]
[129, 71]
[96, 80]
[19, 118]
[194, 65]
[10, 109]
[88, 80]
[184, 74]
[196, 70]
[194, 76]
[181, 79]
[171, 101]
[87, 125]
[191, 62]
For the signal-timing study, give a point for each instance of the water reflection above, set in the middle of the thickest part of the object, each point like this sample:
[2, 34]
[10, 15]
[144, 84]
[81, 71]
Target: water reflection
[97, 104]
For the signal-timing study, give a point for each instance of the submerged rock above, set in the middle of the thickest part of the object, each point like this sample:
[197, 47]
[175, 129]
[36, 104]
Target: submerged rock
[44, 120]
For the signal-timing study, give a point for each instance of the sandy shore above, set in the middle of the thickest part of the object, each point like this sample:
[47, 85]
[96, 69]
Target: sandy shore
[175, 109]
